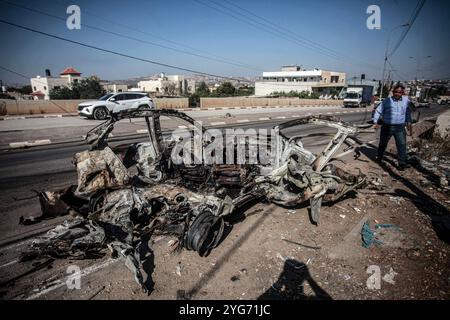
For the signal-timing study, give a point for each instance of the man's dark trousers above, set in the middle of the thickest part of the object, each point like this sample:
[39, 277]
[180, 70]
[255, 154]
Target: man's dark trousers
[399, 133]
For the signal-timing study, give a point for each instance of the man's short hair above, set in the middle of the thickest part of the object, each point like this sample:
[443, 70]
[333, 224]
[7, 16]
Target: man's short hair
[398, 85]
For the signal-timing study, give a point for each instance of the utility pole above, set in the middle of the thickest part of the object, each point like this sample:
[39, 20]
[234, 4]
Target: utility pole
[386, 55]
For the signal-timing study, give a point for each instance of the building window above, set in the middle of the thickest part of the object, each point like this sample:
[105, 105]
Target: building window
[334, 79]
[34, 88]
[45, 88]
[75, 80]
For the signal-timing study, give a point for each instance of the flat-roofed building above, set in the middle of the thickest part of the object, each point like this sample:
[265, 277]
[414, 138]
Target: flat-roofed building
[294, 78]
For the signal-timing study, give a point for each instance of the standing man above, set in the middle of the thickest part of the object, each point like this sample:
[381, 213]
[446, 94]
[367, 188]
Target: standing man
[396, 114]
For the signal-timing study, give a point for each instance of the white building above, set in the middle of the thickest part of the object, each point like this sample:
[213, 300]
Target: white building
[114, 88]
[41, 86]
[170, 84]
[293, 78]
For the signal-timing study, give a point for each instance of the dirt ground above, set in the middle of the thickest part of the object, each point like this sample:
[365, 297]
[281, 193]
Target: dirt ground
[277, 253]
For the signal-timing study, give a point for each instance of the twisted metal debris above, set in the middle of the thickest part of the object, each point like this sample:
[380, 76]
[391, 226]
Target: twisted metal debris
[119, 210]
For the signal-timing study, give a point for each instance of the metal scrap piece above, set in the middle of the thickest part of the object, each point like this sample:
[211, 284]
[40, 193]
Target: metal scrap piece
[97, 170]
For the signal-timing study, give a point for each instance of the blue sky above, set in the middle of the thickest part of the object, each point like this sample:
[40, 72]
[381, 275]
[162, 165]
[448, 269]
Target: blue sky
[337, 25]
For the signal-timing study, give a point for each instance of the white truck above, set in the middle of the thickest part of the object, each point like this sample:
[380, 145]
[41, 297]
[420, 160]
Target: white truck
[358, 96]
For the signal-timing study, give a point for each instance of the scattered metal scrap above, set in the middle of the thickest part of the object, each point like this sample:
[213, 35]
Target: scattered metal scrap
[121, 210]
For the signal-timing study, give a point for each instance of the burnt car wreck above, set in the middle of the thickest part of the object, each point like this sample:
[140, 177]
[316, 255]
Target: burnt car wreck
[127, 194]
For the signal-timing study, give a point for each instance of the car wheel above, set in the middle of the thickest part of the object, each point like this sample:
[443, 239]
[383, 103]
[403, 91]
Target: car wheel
[100, 113]
[144, 106]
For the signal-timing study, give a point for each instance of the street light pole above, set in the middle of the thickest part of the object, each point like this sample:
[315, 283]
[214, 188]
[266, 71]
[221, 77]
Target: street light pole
[386, 56]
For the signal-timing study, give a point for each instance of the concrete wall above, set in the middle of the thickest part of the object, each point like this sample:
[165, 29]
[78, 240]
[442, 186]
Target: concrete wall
[171, 103]
[23, 107]
[263, 102]
[265, 88]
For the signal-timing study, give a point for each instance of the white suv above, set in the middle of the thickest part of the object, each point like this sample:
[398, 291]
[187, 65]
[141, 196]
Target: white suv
[115, 102]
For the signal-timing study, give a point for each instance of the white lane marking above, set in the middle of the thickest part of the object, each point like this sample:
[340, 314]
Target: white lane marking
[19, 244]
[329, 113]
[30, 143]
[243, 120]
[9, 263]
[295, 116]
[182, 127]
[142, 131]
[264, 118]
[217, 123]
[41, 142]
[54, 116]
[281, 117]
[13, 118]
[18, 144]
[63, 282]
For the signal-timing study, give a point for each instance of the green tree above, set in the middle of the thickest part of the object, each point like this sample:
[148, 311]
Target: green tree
[61, 93]
[226, 89]
[23, 90]
[88, 88]
[245, 91]
[202, 90]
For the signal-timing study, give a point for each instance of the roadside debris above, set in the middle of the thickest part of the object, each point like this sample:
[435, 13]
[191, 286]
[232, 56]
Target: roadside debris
[397, 200]
[303, 245]
[376, 236]
[389, 277]
[430, 154]
[117, 209]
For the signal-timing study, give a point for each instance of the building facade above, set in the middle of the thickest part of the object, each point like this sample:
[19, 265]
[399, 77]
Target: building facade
[168, 85]
[293, 78]
[113, 87]
[41, 86]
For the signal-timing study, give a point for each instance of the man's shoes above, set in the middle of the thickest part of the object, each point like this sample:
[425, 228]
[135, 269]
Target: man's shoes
[402, 167]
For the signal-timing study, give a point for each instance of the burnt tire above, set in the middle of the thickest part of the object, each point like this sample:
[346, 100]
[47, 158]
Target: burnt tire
[204, 233]
[100, 113]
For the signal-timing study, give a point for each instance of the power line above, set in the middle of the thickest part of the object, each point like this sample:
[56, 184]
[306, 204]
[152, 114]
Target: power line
[119, 53]
[268, 25]
[295, 35]
[254, 25]
[413, 17]
[128, 37]
[270, 29]
[159, 37]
